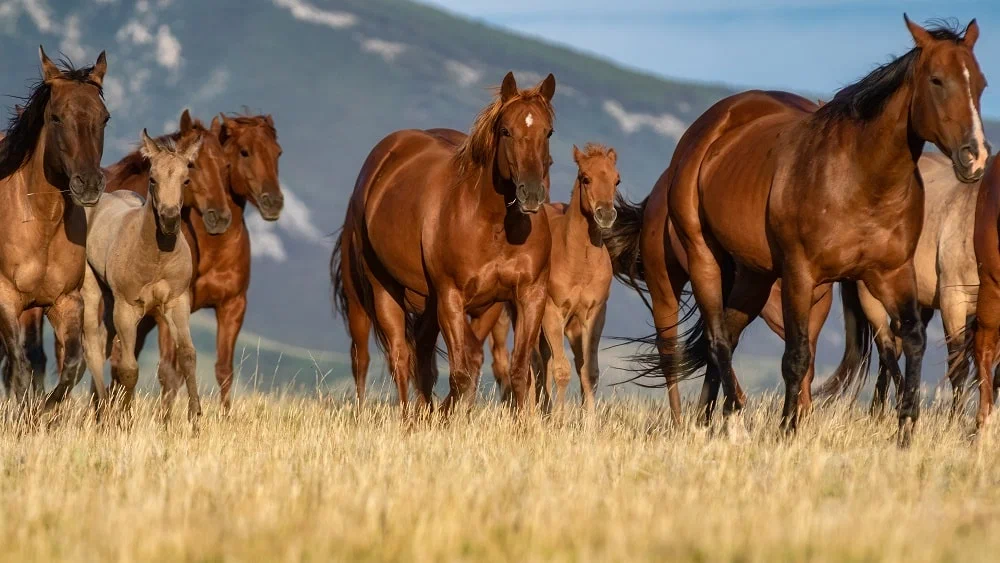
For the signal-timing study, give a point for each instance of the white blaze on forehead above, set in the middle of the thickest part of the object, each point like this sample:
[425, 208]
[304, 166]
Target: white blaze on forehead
[978, 136]
[529, 120]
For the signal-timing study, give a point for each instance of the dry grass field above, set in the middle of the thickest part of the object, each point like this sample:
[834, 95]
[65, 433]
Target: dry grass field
[314, 479]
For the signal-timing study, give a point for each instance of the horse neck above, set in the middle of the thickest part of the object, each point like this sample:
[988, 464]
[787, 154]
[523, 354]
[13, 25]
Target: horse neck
[887, 149]
[488, 191]
[44, 200]
[581, 235]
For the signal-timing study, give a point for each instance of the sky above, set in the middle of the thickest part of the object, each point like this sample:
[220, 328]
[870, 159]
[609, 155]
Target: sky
[807, 46]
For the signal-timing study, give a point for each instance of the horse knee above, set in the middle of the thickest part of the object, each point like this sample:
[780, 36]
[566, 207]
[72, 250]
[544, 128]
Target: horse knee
[795, 362]
[914, 337]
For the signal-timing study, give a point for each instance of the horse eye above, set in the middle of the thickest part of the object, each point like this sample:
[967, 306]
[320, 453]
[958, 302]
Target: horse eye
[551, 131]
[244, 153]
[936, 81]
[187, 182]
[190, 166]
[618, 181]
[584, 180]
[56, 119]
[505, 132]
[107, 119]
[280, 153]
[152, 182]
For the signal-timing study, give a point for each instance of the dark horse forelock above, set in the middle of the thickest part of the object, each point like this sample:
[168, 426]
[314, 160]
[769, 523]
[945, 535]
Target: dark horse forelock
[480, 146]
[26, 125]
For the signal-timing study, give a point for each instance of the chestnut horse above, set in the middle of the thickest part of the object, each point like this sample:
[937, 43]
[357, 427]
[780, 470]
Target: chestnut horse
[986, 329]
[456, 226]
[50, 167]
[247, 151]
[765, 187]
[579, 281]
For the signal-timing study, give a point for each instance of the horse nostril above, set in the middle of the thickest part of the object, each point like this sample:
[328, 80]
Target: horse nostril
[966, 155]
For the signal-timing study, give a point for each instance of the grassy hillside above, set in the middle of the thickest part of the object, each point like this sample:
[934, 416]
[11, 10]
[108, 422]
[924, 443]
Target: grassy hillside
[337, 76]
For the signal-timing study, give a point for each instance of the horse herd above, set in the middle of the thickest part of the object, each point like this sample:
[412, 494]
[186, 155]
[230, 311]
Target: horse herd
[108, 254]
[769, 198]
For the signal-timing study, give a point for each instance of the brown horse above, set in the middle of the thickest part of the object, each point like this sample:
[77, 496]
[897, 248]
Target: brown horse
[986, 241]
[246, 149]
[579, 281]
[764, 187]
[50, 166]
[458, 227]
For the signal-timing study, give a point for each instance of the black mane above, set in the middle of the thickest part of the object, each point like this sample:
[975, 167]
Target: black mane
[865, 99]
[23, 131]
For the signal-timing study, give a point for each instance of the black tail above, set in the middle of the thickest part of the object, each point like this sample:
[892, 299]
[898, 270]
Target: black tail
[852, 372]
[622, 242]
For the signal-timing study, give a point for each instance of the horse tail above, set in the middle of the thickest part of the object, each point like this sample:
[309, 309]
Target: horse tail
[337, 276]
[852, 372]
[623, 244]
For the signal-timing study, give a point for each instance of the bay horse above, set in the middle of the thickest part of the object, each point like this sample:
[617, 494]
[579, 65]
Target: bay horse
[766, 186]
[246, 151]
[50, 168]
[135, 249]
[579, 281]
[458, 227]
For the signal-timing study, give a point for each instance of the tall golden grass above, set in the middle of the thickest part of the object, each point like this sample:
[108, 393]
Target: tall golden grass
[293, 478]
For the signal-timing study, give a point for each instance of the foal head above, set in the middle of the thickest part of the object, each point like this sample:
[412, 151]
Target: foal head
[65, 111]
[513, 134]
[169, 177]
[947, 86]
[208, 191]
[251, 147]
[597, 180]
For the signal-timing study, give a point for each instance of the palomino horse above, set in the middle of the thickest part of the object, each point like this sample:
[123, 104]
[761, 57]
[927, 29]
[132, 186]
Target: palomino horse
[50, 166]
[246, 150]
[579, 280]
[207, 195]
[458, 227]
[135, 249]
[763, 187]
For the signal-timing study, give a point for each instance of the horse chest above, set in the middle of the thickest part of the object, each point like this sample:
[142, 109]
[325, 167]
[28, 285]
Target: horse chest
[50, 267]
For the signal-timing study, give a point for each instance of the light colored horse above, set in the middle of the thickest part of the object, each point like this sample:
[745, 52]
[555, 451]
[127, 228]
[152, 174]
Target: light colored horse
[579, 281]
[136, 250]
[947, 275]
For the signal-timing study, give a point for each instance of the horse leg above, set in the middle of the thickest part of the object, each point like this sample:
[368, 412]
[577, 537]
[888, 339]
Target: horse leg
[33, 324]
[66, 317]
[465, 358]
[179, 325]
[125, 376]
[885, 344]
[751, 291]
[798, 288]
[229, 316]
[987, 333]
[427, 332]
[529, 309]
[95, 339]
[954, 315]
[557, 371]
[485, 326]
[16, 370]
[390, 314]
[665, 295]
[167, 372]
[822, 301]
[500, 354]
[587, 366]
[897, 291]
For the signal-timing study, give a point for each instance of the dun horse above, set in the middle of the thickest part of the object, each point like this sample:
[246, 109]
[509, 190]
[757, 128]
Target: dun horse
[50, 166]
[579, 280]
[136, 250]
[455, 227]
[763, 187]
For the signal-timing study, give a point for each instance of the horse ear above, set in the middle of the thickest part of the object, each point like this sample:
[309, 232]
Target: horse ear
[100, 67]
[509, 87]
[186, 122]
[19, 109]
[269, 120]
[971, 34]
[613, 156]
[50, 71]
[223, 127]
[547, 88]
[920, 35]
[191, 152]
[149, 146]
[216, 126]
[577, 155]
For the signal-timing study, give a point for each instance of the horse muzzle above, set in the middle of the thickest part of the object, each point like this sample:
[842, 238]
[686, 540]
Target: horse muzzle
[968, 163]
[605, 215]
[217, 221]
[170, 221]
[270, 205]
[86, 189]
[530, 197]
